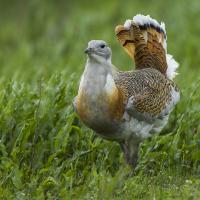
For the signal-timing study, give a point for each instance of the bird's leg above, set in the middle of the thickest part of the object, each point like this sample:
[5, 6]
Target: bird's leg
[130, 150]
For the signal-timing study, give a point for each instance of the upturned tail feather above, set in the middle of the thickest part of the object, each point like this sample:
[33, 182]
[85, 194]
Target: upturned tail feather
[148, 27]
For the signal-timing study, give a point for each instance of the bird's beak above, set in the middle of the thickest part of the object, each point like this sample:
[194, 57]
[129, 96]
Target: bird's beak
[88, 50]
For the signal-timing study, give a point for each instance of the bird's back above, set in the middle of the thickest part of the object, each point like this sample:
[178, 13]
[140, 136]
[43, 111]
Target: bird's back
[151, 90]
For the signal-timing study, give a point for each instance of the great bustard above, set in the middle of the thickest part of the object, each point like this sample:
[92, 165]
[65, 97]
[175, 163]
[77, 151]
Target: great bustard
[129, 106]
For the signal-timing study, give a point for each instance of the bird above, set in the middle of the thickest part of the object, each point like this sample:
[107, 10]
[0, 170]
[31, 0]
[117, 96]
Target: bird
[129, 106]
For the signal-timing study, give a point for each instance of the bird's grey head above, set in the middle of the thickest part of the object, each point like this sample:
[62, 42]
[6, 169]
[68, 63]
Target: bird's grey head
[98, 50]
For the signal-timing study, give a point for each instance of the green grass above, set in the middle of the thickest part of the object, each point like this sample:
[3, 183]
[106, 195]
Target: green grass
[45, 150]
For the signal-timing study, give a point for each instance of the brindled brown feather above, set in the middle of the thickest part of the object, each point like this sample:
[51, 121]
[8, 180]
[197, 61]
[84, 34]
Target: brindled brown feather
[144, 45]
[157, 52]
[123, 37]
[150, 90]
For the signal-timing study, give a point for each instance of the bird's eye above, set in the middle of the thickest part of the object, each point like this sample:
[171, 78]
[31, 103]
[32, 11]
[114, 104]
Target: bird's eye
[103, 46]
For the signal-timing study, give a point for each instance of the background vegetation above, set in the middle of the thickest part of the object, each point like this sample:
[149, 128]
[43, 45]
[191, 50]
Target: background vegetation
[45, 151]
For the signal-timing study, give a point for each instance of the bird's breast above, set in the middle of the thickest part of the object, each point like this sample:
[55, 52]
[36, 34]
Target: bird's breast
[99, 102]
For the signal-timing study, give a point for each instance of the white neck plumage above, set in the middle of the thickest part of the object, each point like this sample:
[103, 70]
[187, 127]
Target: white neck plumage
[95, 73]
[97, 77]
[99, 59]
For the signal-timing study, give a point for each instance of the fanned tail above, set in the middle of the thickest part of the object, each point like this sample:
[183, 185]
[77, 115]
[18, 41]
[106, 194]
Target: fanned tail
[153, 37]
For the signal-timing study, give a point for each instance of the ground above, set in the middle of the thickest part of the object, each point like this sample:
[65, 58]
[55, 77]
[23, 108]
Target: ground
[45, 150]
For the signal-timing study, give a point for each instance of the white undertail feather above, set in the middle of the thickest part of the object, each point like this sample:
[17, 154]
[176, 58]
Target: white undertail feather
[127, 24]
[142, 20]
[172, 67]
[147, 20]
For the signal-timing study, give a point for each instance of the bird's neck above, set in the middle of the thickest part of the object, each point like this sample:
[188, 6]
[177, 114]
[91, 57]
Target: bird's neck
[98, 96]
[97, 78]
[95, 58]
